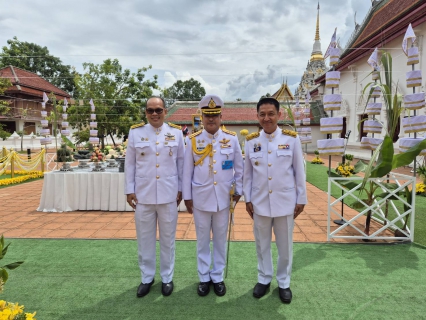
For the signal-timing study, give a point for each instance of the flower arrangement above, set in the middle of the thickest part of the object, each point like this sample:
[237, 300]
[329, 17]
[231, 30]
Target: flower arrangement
[345, 169]
[14, 311]
[421, 189]
[317, 159]
[97, 155]
[9, 310]
[24, 176]
[421, 170]
[244, 132]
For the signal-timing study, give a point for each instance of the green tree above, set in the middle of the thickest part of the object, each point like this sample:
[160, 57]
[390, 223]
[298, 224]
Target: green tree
[37, 59]
[191, 90]
[118, 95]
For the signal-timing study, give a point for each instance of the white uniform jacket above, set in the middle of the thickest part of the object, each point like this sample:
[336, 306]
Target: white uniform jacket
[154, 163]
[274, 174]
[209, 189]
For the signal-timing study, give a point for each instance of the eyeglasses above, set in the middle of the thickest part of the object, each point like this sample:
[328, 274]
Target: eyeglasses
[157, 111]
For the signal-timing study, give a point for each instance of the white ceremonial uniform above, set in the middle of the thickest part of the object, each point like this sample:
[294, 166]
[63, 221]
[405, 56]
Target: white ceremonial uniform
[153, 171]
[208, 185]
[274, 182]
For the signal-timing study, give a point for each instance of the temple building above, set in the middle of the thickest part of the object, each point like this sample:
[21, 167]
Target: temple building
[315, 68]
[283, 93]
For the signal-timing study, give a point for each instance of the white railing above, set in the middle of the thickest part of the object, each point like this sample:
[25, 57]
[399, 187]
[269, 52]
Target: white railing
[385, 224]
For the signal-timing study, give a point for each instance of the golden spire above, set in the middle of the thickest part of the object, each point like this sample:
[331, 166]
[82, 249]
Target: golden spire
[316, 51]
[317, 36]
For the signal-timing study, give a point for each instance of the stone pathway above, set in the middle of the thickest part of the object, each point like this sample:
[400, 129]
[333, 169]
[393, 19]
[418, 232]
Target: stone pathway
[19, 219]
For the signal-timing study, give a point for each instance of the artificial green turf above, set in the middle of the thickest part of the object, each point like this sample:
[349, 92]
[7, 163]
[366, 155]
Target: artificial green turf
[97, 279]
[317, 176]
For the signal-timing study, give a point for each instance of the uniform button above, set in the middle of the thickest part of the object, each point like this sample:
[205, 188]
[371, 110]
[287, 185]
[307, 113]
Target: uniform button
[157, 165]
[157, 133]
[215, 172]
[157, 154]
[142, 153]
[215, 183]
[158, 177]
[270, 191]
[213, 141]
[157, 142]
[269, 164]
[214, 161]
[270, 178]
[214, 151]
[269, 151]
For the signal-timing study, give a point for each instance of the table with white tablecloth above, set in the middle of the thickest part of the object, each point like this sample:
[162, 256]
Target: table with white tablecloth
[83, 190]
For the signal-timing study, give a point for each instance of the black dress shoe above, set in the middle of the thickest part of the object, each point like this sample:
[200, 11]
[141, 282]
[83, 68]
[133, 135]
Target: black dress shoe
[219, 288]
[143, 289]
[260, 290]
[203, 288]
[167, 288]
[285, 295]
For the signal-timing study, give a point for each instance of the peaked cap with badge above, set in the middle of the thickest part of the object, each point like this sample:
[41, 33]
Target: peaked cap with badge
[211, 104]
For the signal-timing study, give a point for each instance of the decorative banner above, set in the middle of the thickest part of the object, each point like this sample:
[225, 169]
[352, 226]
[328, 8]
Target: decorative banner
[331, 146]
[370, 143]
[65, 106]
[333, 44]
[307, 98]
[45, 99]
[373, 60]
[92, 104]
[409, 34]
[331, 125]
[332, 79]
[414, 101]
[413, 56]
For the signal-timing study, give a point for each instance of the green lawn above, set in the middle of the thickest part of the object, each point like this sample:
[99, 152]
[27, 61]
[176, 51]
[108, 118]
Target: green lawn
[97, 280]
[317, 176]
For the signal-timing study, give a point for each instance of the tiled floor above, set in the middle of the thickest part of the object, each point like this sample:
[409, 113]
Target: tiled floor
[19, 219]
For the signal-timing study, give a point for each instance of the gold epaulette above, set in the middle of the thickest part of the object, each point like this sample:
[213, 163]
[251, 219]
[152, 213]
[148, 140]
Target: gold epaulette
[174, 125]
[252, 136]
[195, 134]
[290, 133]
[229, 132]
[137, 125]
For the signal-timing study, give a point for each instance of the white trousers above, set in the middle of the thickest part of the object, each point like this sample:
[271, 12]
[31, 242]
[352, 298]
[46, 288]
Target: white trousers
[217, 222]
[283, 230]
[146, 216]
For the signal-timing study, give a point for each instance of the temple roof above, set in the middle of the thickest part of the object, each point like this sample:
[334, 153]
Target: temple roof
[283, 93]
[234, 113]
[27, 82]
[386, 20]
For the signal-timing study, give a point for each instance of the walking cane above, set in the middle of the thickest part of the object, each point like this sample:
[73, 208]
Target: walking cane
[231, 222]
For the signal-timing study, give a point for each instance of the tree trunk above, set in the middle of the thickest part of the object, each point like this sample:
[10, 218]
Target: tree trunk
[112, 138]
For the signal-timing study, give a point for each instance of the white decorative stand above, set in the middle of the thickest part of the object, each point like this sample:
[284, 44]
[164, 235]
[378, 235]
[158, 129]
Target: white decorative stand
[377, 208]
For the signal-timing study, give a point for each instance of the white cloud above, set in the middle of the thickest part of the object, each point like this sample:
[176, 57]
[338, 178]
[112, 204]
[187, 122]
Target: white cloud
[237, 49]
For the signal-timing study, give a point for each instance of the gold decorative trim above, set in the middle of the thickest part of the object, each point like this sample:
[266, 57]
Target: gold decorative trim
[137, 125]
[174, 125]
[252, 136]
[289, 133]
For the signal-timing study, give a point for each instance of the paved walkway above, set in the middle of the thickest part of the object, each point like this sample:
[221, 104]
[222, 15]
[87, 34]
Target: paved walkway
[19, 219]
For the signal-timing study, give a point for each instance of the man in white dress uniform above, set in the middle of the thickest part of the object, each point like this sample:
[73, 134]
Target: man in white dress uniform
[153, 171]
[275, 194]
[213, 162]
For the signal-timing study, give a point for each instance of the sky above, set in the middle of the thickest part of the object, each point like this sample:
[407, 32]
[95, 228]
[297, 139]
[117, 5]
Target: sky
[236, 49]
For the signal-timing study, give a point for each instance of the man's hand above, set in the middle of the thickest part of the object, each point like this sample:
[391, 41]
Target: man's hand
[249, 209]
[188, 204]
[179, 198]
[132, 200]
[236, 198]
[298, 210]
